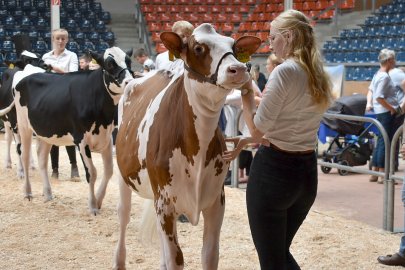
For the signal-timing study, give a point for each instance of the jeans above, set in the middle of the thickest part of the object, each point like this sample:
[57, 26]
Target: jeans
[402, 245]
[71, 150]
[280, 192]
[387, 121]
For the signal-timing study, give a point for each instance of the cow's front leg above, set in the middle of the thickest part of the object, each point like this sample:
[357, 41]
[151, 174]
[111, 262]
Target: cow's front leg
[167, 228]
[9, 137]
[124, 211]
[213, 217]
[43, 150]
[91, 176]
[108, 172]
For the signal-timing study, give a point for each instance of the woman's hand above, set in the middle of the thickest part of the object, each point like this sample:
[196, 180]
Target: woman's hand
[238, 143]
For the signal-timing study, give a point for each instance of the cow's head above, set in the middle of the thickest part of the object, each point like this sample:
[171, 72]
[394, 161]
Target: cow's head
[116, 67]
[213, 58]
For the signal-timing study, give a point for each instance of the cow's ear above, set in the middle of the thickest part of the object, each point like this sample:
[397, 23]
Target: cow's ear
[246, 46]
[172, 42]
[130, 52]
[98, 57]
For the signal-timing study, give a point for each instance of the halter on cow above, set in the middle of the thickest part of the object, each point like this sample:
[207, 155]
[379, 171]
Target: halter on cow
[169, 147]
[71, 109]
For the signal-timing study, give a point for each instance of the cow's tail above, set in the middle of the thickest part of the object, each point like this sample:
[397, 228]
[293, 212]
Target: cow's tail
[148, 228]
[7, 109]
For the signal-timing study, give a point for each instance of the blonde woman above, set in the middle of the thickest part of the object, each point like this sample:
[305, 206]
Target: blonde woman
[283, 178]
[61, 60]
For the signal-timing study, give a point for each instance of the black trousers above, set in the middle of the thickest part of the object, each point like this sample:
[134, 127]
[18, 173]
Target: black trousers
[71, 150]
[280, 192]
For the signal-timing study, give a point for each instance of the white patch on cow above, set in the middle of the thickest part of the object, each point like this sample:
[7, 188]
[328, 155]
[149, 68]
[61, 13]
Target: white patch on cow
[144, 189]
[29, 54]
[28, 70]
[60, 141]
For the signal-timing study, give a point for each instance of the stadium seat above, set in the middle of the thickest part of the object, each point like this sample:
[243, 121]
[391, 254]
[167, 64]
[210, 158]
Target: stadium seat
[25, 23]
[26, 5]
[10, 57]
[40, 47]
[154, 27]
[94, 37]
[106, 17]
[79, 37]
[10, 4]
[100, 26]
[9, 23]
[102, 46]
[109, 37]
[7, 46]
[33, 35]
[73, 46]
[85, 26]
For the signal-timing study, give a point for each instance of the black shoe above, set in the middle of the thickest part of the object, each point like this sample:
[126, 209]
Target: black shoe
[394, 259]
[183, 219]
[55, 173]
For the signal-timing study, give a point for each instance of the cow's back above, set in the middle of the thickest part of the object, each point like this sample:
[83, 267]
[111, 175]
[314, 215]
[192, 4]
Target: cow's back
[77, 101]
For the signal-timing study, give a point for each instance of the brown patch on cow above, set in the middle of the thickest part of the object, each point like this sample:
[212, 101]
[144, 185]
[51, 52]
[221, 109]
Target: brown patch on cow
[127, 143]
[215, 148]
[173, 128]
[199, 62]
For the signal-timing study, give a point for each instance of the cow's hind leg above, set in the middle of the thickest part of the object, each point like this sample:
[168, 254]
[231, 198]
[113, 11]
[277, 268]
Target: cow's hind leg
[167, 228]
[124, 211]
[213, 217]
[108, 172]
[26, 139]
[43, 150]
[9, 137]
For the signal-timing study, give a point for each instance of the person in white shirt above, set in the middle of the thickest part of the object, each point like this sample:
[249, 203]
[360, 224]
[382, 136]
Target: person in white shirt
[166, 61]
[283, 177]
[61, 60]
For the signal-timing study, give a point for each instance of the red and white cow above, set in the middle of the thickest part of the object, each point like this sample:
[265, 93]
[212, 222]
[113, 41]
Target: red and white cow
[169, 145]
[75, 108]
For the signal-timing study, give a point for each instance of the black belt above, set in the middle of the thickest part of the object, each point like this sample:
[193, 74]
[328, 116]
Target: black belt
[297, 153]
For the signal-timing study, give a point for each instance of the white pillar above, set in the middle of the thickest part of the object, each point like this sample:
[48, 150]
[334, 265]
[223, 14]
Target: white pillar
[288, 4]
[55, 14]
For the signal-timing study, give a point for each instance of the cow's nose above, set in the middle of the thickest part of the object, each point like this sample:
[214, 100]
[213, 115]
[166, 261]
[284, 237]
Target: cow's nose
[235, 69]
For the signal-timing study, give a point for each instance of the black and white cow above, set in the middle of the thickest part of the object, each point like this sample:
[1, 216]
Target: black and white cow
[7, 99]
[71, 109]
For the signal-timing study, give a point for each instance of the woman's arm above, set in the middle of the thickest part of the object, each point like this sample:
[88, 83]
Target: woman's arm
[249, 111]
[386, 105]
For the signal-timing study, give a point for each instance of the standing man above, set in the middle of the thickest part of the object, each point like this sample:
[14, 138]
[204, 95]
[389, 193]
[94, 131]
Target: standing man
[142, 57]
[60, 60]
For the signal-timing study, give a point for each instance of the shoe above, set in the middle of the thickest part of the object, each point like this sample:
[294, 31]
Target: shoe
[55, 173]
[74, 172]
[373, 178]
[394, 259]
[183, 219]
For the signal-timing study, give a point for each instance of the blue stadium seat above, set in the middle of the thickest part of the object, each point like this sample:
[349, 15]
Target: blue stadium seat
[401, 43]
[82, 7]
[86, 26]
[10, 4]
[10, 57]
[9, 23]
[73, 46]
[102, 46]
[40, 47]
[401, 56]
[97, 8]
[79, 37]
[91, 16]
[71, 25]
[17, 14]
[88, 46]
[7, 46]
[100, 26]
[94, 37]
[106, 17]
[109, 37]
[2, 33]
[77, 15]
[42, 24]
[41, 5]
[33, 15]
[25, 23]
[33, 35]
[26, 5]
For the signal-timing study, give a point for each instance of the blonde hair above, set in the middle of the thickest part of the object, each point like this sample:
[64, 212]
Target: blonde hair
[302, 47]
[60, 31]
[385, 55]
[184, 27]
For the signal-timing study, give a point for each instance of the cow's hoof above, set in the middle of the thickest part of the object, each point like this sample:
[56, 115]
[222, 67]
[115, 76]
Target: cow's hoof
[28, 196]
[48, 198]
[94, 211]
[20, 174]
[8, 166]
[115, 267]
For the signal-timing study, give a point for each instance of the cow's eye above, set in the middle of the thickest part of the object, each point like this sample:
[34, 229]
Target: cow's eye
[198, 49]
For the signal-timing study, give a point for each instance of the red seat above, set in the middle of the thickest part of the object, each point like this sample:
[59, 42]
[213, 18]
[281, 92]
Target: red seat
[189, 9]
[271, 8]
[180, 17]
[215, 9]
[235, 36]
[220, 18]
[245, 27]
[161, 8]
[264, 49]
[252, 17]
[208, 18]
[260, 8]
[327, 15]
[150, 17]
[154, 27]
[266, 26]
[165, 18]
[262, 35]
[198, 2]
[236, 18]
[347, 4]
[229, 9]
[320, 5]
[147, 8]
[202, 9]
[257, 26]
[167, 26]
[309, 5]
[227, 27]
[263, 17]
[194, 18]
[183, 2]
[280, 7]
[160, 48]
[243, 9]
[156, 36]
[297, 6]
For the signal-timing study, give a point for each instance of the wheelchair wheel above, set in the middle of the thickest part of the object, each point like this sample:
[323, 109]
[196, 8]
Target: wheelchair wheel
[325, 169]
[341, 171]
